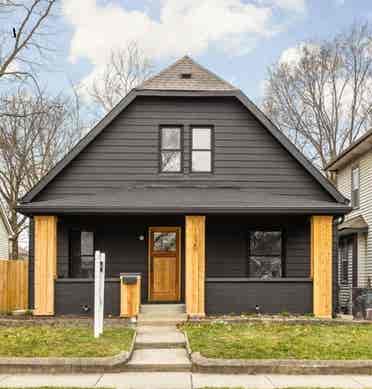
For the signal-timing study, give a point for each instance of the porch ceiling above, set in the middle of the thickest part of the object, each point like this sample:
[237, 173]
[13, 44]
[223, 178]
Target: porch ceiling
[151, 200]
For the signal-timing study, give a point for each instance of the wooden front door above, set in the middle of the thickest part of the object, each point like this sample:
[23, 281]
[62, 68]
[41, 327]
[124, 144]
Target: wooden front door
[164, 263]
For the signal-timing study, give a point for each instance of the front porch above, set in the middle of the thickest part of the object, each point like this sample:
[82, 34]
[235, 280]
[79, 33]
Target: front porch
[214, 264]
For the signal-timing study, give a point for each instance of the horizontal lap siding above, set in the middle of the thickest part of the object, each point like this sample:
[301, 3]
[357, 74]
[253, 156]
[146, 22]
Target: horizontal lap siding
[227, 245]
[126, 153]
[271, 297]
[72, 296]
[118, 238]
[365, 209]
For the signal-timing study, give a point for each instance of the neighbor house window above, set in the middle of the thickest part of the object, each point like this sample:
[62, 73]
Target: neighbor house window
[265, 254]
[344, 261]
[171, 151]
[201, 154]
[355, 187]
[81, 254]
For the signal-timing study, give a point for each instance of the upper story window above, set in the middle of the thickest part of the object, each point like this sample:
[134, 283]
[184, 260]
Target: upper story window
[170, 150]
[201, 153]
[355, 187]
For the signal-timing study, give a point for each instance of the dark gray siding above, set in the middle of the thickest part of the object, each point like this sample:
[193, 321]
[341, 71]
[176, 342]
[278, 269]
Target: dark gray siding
[272, 297]
[72, 295]
[126, 152]
[227, 244]
[226, 256]
[118, 237]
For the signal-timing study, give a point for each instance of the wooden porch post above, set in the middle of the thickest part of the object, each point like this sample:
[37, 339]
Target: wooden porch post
[321, 264]
[45, 264]
[195, 265]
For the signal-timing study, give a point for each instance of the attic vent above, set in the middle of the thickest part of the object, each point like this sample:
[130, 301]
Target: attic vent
[186, 75]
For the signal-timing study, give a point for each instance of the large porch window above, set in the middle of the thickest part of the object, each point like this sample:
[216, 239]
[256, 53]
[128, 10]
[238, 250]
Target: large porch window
[81, 263]
[265, 254]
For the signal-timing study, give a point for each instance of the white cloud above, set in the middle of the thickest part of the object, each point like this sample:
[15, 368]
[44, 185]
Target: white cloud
[293, 55]
[289, 5]
[183, 27]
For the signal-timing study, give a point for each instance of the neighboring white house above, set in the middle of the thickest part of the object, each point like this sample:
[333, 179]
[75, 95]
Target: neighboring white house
[6, 234]
[352, 171]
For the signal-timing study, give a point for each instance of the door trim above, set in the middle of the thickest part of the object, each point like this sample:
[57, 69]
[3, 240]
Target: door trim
[149, 262]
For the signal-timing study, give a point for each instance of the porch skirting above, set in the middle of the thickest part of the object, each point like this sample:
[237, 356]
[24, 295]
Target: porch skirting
[241, 295]
[222, 295]
[76, 296]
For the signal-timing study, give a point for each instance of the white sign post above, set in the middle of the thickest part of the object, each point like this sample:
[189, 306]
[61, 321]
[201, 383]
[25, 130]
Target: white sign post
[99, 292]
[102, 291]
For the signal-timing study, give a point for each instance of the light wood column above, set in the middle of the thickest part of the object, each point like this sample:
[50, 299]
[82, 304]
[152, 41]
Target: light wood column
[322, 265]
[195, 265]
[130, 298]
[45, 264]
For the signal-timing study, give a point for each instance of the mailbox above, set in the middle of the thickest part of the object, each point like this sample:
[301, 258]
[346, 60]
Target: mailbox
[130, 294]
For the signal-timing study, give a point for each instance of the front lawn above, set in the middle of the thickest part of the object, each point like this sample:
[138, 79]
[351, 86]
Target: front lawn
[63, 341]
[281, 341]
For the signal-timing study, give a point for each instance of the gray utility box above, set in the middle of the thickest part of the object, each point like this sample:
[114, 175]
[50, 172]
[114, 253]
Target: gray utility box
[362, 303]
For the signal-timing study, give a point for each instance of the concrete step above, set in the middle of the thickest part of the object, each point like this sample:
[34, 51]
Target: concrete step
[161, 319]
[169, 360]
[150, 337]
[163, 308]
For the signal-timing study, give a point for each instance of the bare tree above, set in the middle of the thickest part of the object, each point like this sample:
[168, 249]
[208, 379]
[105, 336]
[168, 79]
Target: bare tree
[322, 100]
[22, 36]
[126, 69]
[35, 132]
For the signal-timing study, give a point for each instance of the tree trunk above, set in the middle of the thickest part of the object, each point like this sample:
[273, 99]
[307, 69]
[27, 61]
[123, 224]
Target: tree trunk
[14, 244]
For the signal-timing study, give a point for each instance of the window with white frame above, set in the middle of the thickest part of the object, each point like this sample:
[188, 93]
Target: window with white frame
[201, 153]
[355, 187]
[170, 150]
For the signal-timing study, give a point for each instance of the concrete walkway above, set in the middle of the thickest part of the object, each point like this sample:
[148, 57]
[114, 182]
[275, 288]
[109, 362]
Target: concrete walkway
[159, 349]
[164, 380]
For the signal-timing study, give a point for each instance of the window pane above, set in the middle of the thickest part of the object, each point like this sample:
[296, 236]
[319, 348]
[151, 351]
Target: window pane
[81, 264]
[165, 241]
[265, 267]
[87, 244]
[266, 243]
[355, 198]
[201, 138]
[171, 138]
[171, 161]
[201, 161]
[355, 179]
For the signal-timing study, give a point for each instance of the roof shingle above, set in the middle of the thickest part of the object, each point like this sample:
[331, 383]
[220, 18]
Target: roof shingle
[171, 78]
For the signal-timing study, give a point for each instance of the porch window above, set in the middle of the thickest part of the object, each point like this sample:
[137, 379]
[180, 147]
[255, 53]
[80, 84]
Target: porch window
[355, 187]
[265, 254]
[81, 254]
[201, 154]
[171, 151]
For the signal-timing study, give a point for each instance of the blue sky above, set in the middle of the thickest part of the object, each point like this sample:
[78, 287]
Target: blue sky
[237, 39]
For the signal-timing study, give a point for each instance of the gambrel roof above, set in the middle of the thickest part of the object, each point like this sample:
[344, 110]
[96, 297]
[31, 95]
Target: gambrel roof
[200, 83]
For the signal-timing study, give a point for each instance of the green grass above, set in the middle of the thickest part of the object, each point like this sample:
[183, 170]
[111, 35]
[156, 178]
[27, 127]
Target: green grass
[62, 341]
[281, 341]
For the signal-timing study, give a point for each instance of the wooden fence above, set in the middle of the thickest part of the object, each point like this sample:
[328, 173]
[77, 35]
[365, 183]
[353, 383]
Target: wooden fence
[13, 285]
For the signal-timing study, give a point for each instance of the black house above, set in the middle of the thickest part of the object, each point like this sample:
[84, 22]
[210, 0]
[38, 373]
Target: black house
[187, 182]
